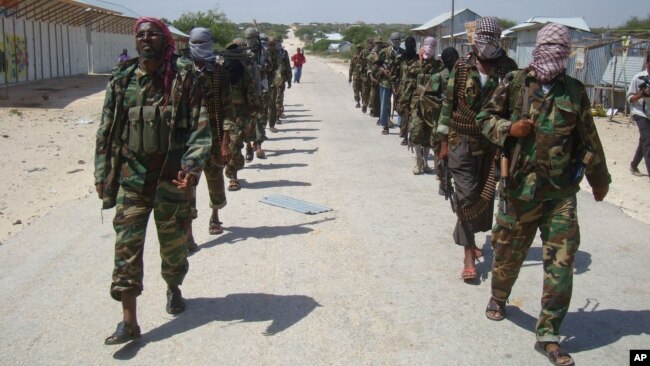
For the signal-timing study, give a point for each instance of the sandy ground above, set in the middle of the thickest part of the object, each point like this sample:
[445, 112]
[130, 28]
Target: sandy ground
[47, 138]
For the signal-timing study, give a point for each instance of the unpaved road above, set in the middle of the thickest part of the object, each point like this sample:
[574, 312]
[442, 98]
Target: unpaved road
[376, 281]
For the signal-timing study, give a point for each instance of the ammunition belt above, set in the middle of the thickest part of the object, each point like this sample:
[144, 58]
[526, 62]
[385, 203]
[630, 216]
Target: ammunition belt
[215, 113]
[462, 119]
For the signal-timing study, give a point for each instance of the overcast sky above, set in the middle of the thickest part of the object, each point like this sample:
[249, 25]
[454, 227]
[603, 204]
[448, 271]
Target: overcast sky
[597, 13]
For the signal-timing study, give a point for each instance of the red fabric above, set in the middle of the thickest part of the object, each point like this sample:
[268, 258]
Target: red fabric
[298, 60]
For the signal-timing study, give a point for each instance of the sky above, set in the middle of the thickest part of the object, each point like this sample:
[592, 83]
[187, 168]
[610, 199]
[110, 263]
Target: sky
[597, 13]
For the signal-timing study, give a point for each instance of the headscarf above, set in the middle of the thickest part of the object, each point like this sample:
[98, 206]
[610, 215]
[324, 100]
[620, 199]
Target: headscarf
[429, 48]
[168, 53]
[409, 45]
[201, 51]
[449, 57]
[486, 39]
[552, 48]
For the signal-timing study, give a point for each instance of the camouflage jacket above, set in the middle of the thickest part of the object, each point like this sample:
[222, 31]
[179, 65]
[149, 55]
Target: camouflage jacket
[475, 97]
[564, 136]
[388, 62]
[363, 63]
[356, 66]
[407, 83]
[286, 63]
[178, 135]
[247, 104]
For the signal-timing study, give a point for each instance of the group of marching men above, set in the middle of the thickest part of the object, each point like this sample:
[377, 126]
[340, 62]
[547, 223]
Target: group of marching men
[526, 132]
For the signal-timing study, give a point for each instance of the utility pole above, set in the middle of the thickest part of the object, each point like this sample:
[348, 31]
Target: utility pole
[453, 42]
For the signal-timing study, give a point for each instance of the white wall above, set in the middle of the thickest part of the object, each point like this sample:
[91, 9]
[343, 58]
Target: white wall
[47, 50]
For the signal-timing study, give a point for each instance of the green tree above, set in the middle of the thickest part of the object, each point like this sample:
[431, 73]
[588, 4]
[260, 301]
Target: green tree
[223, 30]
[636, 23]
[506, 23]
[358, 34]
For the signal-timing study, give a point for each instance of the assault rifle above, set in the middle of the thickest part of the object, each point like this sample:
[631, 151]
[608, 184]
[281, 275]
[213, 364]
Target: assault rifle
[447, 185]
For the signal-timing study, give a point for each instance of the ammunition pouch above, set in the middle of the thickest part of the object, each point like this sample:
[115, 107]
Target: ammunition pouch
[149, 129]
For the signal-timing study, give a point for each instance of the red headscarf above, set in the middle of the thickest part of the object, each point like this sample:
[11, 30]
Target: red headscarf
[168, 53]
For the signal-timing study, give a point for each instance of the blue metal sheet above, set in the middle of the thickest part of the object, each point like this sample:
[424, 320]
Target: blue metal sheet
[294, 204]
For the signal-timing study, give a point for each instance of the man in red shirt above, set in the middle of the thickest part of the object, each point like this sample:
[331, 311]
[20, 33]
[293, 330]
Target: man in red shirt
[298, 60]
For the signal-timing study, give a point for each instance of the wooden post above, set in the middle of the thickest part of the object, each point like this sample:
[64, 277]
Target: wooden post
[611, 100]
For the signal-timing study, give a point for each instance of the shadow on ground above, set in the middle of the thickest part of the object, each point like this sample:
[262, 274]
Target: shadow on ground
[292, 151]
[272, 184]
[235, 234]
[54, 93]
[589, 328]
[282, 311]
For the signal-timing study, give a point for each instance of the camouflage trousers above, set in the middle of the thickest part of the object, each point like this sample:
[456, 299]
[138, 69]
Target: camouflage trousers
[420, 129]
[130, 223]
[356, 89]
[273, 113]
[262, 119]
[512, 236]
[365, 92]
[374, 100]
[216, 188]
[235, 147]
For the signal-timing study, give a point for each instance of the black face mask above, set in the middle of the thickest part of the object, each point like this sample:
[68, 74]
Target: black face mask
[409, 45]
[449, 57]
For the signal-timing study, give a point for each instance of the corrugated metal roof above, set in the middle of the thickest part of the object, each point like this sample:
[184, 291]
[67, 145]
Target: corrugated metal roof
[438, 20]
[538, 22]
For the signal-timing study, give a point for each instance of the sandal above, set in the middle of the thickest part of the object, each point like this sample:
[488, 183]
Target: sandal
[553, 356]
[495, 311]
[234, 185]
[125, 332]
[215, 228]
[228, 171]
[468, 274]
[175, 303]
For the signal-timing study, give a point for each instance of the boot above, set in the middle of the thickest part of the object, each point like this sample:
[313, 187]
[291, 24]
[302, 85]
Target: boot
[364, 109]
[249, 153]
[419, 166]
[425, 165]
[358, 105]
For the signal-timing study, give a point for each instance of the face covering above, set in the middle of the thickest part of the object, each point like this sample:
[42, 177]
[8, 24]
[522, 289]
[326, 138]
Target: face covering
[201, 44]
[429, 48]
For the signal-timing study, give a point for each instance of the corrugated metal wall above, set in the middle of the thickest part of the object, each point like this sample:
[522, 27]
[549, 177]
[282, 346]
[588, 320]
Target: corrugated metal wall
[35, 50]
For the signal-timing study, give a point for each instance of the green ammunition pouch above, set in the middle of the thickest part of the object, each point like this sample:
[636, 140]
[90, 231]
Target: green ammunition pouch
[149, 129]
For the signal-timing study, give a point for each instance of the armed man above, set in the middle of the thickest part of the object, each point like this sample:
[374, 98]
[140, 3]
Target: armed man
[278, 76]
[541, 118]
[365, 80]
[151, 147]
[406, 87]
[212, 84]
[258, 52]
[354, 74]
[388, 66]
[471, 156]
[425, 103]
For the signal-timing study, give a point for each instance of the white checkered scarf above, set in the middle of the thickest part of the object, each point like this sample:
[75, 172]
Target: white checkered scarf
[486, 39]
[552, 48]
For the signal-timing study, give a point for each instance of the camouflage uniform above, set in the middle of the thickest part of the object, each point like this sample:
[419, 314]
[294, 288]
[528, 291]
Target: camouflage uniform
[285, 72]
[470, 155]
[373, 74]
[276, 81]
[354, 74]
[541, 192]
[405, 90]
[425, 101]
[140, 148]
[365, 80]
[261, 59]
[388, 61]
[220, 120]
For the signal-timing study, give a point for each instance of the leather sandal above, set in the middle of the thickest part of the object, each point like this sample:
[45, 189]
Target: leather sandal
[553, 356]
[175, 302]
[234, 185]
[125, 332]
[495, 311]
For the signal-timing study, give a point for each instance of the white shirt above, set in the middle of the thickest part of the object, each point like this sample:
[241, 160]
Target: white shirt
[637, 107]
